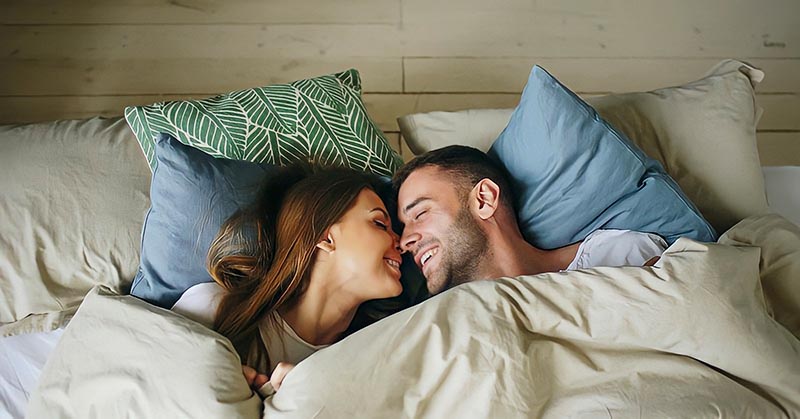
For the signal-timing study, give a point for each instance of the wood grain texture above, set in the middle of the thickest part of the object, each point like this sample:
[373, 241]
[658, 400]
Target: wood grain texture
[187, 76]
[198, 11]
[608, 28]
[394, 141]
[780, 110]
[80, 58]
[509, 75]
[779, 148]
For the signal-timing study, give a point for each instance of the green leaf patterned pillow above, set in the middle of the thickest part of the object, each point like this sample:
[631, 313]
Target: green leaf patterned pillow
[321, 119]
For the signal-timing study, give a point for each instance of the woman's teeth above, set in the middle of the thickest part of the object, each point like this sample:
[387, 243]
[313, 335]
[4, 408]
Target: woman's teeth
[393, 263]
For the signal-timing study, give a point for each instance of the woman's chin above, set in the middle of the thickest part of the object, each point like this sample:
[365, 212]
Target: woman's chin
[394, 289]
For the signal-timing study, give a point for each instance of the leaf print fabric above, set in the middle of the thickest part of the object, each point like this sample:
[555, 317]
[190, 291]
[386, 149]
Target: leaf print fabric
[321, 119]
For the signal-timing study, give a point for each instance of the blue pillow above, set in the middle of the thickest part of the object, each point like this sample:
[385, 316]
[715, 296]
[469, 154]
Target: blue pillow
[191, 195]
[574, 173]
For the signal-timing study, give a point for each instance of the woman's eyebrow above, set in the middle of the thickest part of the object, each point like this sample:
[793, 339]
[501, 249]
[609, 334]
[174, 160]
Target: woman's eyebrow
[383, 211]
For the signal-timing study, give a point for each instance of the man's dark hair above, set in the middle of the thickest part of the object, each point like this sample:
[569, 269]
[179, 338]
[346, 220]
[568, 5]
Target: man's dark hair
[466, 166]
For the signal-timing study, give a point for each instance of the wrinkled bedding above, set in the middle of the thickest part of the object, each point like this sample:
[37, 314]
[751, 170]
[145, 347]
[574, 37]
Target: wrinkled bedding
[690, 337]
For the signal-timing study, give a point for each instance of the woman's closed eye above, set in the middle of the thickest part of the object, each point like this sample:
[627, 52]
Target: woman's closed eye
[381, 225]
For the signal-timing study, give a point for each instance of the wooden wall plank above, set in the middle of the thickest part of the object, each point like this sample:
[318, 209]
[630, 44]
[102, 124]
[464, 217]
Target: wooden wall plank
[780, 111]
[199, 11]
[394, 141]
[779, 148]
[499, 75]
[173, 76]
[610, 28]
[386, 108]
[404, 150]
[81, 58]
[774, 149]
[14, 110]
[65, 75]
[222, 41]
[185, 59]
[383, 108]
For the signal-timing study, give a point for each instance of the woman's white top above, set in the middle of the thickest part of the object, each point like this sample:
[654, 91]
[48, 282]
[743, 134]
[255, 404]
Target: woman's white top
[617, 248]
[200, 303]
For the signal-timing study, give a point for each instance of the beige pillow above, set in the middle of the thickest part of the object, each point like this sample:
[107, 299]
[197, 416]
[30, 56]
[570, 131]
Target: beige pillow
[702, 132]
[122, 357]
[73, 202]
[779, 240]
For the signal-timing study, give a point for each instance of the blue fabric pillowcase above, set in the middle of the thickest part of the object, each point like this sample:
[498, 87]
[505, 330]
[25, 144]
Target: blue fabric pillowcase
[191, 195]
[573, 173]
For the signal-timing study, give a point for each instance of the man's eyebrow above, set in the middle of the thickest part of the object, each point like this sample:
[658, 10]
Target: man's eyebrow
[414, 203]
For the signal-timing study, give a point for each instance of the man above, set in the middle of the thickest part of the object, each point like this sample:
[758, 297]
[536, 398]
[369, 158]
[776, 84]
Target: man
[456, 205]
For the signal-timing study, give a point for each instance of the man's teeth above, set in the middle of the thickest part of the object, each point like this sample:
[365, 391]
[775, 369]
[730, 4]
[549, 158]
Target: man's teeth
[427, 255]
[394, 263]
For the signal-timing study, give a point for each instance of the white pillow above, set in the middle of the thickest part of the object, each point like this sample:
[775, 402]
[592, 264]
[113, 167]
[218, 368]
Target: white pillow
[74, 198]
[122, 357]
[702, 132]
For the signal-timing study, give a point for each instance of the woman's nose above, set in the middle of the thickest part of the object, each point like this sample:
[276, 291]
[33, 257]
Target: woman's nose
[396, 241]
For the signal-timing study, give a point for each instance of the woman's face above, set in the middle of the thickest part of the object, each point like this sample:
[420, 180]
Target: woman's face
[367, 251]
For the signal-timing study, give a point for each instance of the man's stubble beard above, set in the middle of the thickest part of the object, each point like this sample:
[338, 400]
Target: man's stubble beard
[467, 245]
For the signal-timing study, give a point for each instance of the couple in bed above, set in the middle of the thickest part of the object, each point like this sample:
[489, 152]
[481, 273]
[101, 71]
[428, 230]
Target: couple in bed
[291, 270]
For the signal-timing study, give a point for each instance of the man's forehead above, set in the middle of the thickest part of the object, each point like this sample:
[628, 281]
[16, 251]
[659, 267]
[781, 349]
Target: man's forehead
[430, 183]
[425, 179]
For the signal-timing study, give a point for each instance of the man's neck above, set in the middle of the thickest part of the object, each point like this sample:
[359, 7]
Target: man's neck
[511, 255]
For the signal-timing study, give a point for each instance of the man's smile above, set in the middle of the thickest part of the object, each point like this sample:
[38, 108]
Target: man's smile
[424, 257]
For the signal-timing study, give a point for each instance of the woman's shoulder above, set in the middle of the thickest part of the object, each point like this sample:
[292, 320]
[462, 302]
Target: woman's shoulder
[200, 303]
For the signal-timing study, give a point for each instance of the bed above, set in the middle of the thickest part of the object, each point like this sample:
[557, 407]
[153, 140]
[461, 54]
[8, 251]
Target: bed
[710, 331]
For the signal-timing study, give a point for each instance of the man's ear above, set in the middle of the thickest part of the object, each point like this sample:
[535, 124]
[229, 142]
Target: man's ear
[486, 198]
[327, 244]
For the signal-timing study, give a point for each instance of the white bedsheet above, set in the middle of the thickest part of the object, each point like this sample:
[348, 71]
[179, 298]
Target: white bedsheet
[22, 358]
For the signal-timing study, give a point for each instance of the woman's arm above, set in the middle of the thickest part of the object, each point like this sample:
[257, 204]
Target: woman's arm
[263, 385]
[254, 379]
[652, 261]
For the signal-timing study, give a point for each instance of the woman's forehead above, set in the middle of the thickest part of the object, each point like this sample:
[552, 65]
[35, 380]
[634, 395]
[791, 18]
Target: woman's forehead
[369, 200]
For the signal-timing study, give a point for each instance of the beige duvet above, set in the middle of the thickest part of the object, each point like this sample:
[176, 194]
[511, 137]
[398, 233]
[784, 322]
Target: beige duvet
[691, 337]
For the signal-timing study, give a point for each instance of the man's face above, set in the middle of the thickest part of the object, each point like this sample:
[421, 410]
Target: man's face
[440, 232]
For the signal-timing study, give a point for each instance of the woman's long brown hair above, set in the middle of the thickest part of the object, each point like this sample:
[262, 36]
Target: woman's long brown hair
[263, 254]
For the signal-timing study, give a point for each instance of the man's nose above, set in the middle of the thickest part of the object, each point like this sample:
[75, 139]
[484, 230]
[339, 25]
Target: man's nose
[408, 239]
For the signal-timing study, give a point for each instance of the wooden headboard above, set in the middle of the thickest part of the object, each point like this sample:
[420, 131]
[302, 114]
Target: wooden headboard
[80, 58]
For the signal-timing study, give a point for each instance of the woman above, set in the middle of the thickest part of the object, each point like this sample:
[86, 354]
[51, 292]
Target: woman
[291, 270]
